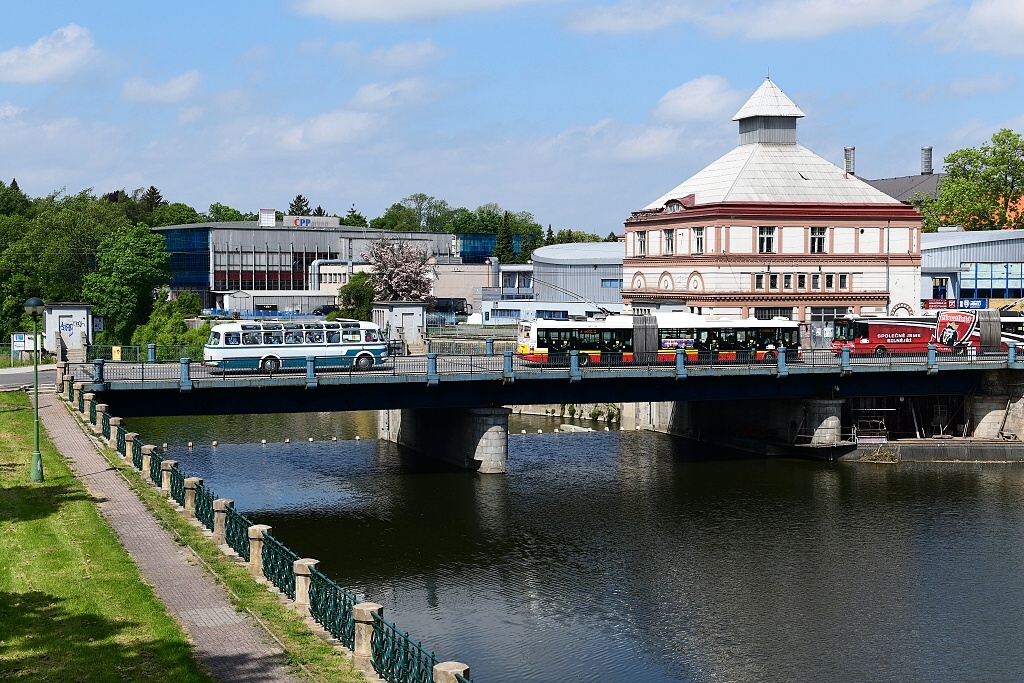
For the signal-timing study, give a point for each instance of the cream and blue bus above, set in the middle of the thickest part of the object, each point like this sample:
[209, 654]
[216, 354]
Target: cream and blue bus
[272, 346]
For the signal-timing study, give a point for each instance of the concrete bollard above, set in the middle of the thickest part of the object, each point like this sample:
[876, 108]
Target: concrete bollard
[303, 578]
[147, 455]
[115, 424]
[165, 475]
[191, 484]
[220, 519]
[444, 672]
[129, 444]
[86, 400]
[256, 532]
[101, 408]
[362, 654]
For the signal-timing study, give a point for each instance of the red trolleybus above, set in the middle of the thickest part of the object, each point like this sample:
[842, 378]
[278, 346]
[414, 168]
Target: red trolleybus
[627, 338]
[957, 332]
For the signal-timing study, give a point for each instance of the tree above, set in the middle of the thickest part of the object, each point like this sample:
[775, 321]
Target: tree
[401, 272]
[612, 237]
[503, 249]
[166, 324]
[398, 218]
[131, 262]
[354, 218]
[219, 213]
[319, 211]
[356, 298]
[12, 200]
[151, 199]
[174, 214]
[299, 206]
[550, 237]
[983, 187]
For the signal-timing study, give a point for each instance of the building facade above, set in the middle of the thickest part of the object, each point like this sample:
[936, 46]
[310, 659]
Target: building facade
[978, 269]
[772, 229]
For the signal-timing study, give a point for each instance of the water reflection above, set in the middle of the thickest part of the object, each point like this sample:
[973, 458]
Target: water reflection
[632, 556]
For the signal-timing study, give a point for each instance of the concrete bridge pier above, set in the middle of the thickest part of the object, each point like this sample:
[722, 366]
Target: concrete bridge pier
[471, 438]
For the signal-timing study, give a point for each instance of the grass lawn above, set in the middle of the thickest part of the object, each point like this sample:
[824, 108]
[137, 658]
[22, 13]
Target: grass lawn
[73, 606]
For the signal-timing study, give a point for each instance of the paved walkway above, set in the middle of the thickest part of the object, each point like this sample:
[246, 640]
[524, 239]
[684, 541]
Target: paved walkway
[231, 644]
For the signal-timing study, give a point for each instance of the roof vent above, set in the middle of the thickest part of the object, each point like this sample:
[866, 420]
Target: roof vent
[926, 161]
[849, 158]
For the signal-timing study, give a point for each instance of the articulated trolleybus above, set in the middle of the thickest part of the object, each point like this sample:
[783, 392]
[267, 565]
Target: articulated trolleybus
[955, 332]
[633, 339]
[267, 346]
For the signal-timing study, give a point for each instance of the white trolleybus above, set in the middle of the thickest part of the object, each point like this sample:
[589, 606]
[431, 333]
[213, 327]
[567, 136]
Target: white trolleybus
[272, 346]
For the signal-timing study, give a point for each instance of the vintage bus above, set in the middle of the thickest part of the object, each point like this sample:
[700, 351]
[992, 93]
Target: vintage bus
[956, 332]
[271, 346]
[628, 339]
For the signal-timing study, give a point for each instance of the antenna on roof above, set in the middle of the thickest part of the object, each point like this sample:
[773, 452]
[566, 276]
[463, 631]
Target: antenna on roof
[768, 74]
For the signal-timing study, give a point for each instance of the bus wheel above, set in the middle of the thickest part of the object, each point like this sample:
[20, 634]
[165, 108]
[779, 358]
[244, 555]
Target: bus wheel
[584, 360]
[881, 352]
[960, 350]
[270, 365]
[364, 362]
[770, 357]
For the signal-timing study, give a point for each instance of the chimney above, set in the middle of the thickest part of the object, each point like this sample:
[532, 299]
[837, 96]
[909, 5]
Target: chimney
[926, 161]
[849, 154]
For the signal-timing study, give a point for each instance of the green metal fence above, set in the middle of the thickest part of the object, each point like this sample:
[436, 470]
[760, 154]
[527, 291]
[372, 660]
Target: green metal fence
[106, 426]
[81, 402]
[177, 485]
[459, 678]
[122, 442]
[137, 453]
[279, 565]
[71, 392]
[236, 532]
[155, 461]
[92, 411]
[331, 606]
[204, 505]
[396, 658]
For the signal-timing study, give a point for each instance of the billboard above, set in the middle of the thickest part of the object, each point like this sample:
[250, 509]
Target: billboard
[954, 327]
[312, 222]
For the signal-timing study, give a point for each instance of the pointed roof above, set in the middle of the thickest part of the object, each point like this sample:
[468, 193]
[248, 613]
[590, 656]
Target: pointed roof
[768, 100]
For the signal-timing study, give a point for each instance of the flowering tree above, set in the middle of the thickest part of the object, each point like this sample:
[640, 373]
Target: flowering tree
[401, 272]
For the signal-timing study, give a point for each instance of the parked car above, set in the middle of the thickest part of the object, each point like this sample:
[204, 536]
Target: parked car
[325, 309]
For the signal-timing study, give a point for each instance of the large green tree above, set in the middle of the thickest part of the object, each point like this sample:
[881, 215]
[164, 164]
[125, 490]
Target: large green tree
[175, 213]
[356, 298]
[398, 218]
[983, 187]
[299, 206]
[166, 324]
[131, 263]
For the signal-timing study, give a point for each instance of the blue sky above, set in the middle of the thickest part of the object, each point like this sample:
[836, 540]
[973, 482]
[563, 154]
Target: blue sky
[576, 111]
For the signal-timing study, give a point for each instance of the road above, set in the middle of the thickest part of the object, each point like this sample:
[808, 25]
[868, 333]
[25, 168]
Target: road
[13, 378]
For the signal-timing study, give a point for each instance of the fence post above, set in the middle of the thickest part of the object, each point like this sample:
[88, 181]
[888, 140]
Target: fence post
[97, 371]
[186, 376]
[680, 363]
[432, 377]
[86, 400]
[165, 475]
[152, 353]
[147, 452]
[489, 346]
[129, 441]
[574, 366]
[362, 614]
[783, 370]
[506, 371]
[220, 519]
[932, 357]
[302, 580]
[444, 672]
[115, 424]
[100, 409]
[1011, 353]
[844, 358]
[191, 484]
[256, 532]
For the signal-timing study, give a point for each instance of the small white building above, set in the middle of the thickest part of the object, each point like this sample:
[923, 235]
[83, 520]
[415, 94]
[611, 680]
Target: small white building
[68, 329]
[402, 321]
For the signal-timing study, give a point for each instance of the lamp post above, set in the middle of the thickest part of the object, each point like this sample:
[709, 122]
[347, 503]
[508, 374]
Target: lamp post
[34, 307]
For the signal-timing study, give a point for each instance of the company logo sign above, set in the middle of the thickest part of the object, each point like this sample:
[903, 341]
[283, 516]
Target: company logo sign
[312, 221]
[954, 327]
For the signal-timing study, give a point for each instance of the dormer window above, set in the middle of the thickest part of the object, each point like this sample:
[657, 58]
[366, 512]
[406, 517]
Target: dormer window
[674, 206]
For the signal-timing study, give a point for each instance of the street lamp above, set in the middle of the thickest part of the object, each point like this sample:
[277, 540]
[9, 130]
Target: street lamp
[34, 307]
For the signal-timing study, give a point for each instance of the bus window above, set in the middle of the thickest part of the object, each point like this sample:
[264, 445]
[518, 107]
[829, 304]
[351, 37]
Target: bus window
[586, 340]
[314, 337]
[350, 336]
[273, 338]
[293, 337]
[727, 338]
[251, 338]
[790, 338]
[214, 339]
[333, 337]
[370, 335]
[232, 338]
[611, 341]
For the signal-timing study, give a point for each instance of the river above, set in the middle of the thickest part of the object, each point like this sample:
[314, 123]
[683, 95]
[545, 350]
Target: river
[615, 556]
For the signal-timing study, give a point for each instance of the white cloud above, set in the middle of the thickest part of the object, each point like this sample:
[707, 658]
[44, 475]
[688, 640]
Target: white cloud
[405, 56]
[331, 128]
[400, 10]
[50, 58]
[8, 111]
[707, 98]
[751, 19]
[389, 95]
[985, 26]
[177, 89]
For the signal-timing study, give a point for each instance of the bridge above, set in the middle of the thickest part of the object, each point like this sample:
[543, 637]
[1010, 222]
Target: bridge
[438, 402]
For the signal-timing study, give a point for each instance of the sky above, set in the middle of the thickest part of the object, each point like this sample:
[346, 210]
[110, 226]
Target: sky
[577, 111]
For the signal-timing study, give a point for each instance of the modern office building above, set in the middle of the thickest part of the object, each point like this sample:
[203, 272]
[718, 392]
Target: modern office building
[977, 269]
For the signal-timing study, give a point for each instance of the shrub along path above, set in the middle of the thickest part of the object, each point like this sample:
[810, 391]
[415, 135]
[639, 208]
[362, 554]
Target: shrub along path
[228, 641]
